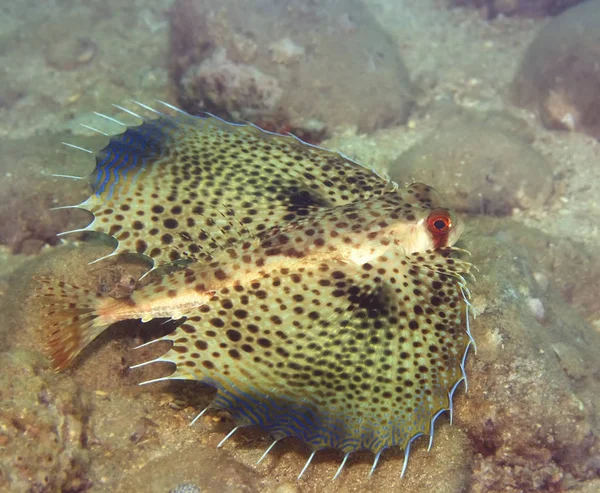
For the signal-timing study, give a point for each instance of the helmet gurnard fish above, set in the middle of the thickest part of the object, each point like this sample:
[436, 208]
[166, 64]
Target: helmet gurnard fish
[321, 300]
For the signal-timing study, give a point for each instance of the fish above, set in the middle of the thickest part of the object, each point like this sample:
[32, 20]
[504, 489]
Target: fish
[318, 297]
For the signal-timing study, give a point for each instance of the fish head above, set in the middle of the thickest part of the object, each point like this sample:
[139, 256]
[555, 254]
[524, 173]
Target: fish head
[425, 223]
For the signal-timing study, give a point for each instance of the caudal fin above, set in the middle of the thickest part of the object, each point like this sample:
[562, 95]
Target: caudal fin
[70, 317]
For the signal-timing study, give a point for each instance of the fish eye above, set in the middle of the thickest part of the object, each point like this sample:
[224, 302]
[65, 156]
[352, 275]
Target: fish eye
[439, 222]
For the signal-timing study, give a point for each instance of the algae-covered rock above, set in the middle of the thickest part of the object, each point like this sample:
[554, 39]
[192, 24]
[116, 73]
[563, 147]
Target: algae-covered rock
[531, 410]
[479, 164]
[529, 8]
[290, 64]
[208, 470]
[44, 429]
[560, 72]
[28, 192]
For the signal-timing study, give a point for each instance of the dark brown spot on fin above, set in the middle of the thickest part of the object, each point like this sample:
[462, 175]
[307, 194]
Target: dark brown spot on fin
[180, 180]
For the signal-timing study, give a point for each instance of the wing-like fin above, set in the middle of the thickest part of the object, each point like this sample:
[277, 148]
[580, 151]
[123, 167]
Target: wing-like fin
[383, 339]
[167, 188]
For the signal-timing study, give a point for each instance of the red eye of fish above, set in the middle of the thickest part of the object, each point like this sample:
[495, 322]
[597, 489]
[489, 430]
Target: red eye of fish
[439, 222]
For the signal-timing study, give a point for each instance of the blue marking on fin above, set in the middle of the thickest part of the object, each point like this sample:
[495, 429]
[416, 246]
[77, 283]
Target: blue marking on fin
[106, 172]
[279, 417]
[129, 151]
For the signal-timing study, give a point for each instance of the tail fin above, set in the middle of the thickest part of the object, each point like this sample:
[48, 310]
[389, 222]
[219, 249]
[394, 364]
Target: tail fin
[71, 319]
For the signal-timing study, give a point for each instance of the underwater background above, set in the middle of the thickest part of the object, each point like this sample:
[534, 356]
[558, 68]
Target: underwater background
[495, 103]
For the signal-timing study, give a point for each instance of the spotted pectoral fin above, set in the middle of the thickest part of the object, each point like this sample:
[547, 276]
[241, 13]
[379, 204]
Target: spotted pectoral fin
[342, 355]
[183, 187]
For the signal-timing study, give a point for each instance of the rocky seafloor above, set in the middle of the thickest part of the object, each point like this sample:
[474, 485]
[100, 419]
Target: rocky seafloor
[495, 114]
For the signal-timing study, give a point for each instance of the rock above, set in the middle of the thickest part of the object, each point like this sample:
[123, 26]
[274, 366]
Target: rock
[533, 395]
[479, 165]
[288, 64]
[530, 8]
[186, 488]
[70, 54]
[44, 429]
[28, 192]
[209, 470]
[560, 73]
[10, 92]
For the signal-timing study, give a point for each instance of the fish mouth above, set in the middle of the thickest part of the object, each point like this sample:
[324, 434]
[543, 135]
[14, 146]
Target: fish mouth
[458, 227]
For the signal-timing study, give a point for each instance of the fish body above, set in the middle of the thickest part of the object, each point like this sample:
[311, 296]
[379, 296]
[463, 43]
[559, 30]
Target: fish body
[320, 299]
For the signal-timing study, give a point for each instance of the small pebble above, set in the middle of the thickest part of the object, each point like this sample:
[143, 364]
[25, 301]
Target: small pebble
[287, 487]
[186, 488]
[70, 54]
[541, 279]
[537, 308]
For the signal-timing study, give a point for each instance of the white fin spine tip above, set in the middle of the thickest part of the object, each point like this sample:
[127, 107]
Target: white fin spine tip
[174, 108]
[163, 379]
[212, 115]
[254, 125]
[157, 360]
[459, 250]
[198, 416]
[227, 437]
[103, 257]
[73, 146]
[60, 207]
[262, 457]
[153, 268]
[466, 293]
[153, 341]
[307, 464]
[407, 454]
[471, 338]
[339, 470]
[94, 129]
[375, 461]
[432, 426]
[405, 463]
[125, 110]
[146, 107]
[80, 230]
[462, 367]
[57, 175]
[451, 396]
[109, 118]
